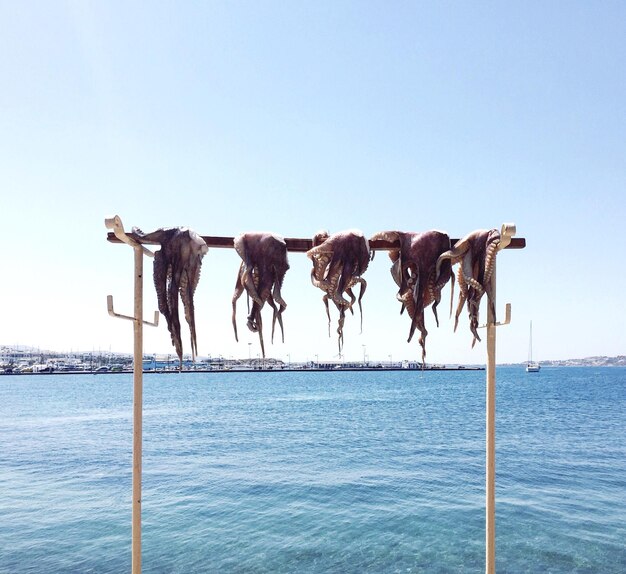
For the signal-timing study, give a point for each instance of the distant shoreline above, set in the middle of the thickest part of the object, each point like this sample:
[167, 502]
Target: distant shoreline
[353, 369]
[252, 370]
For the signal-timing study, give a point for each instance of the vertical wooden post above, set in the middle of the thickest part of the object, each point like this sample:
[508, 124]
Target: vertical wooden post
[507, 232]
[139, 250]
[490, 467]
[137, 411]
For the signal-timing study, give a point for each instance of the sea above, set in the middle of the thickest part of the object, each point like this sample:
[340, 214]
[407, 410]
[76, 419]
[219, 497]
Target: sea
[314, 472]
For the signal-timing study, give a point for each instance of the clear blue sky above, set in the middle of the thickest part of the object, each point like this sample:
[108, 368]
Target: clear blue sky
[296, 116]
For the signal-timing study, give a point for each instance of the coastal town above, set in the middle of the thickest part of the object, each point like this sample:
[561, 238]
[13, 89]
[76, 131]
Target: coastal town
[31, 360]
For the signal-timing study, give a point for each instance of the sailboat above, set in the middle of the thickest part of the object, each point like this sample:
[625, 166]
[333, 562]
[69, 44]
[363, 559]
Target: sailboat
[531, 366]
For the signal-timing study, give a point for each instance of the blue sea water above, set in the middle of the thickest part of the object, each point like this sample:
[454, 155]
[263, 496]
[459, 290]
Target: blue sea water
[345, 472]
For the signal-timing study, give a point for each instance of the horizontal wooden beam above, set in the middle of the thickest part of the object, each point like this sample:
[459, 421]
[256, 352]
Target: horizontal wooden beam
[298, 245]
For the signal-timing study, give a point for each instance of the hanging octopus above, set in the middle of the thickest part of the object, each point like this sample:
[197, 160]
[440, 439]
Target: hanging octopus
[476, 253]
[177, 270]
[414, 270]
[339, 260]
[261, 274]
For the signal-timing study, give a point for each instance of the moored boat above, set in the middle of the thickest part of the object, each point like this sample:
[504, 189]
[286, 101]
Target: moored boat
[531, 366]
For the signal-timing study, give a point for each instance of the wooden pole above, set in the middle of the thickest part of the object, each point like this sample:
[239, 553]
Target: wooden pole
[139, 250]
[137, 411]
[506, 239]
[490, 468]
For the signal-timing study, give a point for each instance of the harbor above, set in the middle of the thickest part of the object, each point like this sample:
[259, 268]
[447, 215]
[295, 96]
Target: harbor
[17, 361]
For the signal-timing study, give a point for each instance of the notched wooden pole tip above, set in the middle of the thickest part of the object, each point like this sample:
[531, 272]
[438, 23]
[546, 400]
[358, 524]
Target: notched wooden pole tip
[113, 222]
[507, 231]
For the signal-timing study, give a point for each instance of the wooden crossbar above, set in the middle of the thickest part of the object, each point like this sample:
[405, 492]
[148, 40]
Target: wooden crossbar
[298, 245]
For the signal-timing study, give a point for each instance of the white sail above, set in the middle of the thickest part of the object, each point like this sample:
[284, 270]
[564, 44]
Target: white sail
[531, 366]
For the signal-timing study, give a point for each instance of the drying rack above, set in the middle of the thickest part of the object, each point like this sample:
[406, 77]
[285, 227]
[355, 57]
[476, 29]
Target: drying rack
[118, 235]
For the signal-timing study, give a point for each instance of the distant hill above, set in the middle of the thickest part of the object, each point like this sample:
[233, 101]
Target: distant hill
[619, 361]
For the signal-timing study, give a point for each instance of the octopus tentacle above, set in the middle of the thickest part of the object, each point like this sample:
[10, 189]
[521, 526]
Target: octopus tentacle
[346, 277]
[259, 327]
[333, 285]
[391, 236]
[462, 297]
[176, 272]
[277, 315]
[434, 295]
[279, 276]
[454, 255]
[160, 282]
[186, 295]
[342, 318]
[261, 274]
[319, 272]
[468, 272]
[247, 278]
[475, 273]
[278, 283]
[339, 260]
[272, 304]
[350, 293]
[239, 289]
[396, 270]
[421, 268]
[189, 281]
[451, 292]
[319, 250]
[325, 300]
[172, 303]
[490, 259]
[249, 283]
[353, 297]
